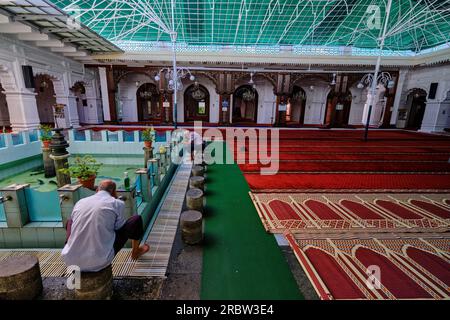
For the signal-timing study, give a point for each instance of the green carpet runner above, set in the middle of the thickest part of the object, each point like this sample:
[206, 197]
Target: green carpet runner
[240, 260]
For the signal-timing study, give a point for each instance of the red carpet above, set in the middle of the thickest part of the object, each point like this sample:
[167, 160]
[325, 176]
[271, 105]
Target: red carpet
[285, 181]
[337, 267]
[390, 160]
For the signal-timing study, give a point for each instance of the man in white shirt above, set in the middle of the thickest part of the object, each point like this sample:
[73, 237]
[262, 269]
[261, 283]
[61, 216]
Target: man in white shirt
[97, 230]
[196, 143]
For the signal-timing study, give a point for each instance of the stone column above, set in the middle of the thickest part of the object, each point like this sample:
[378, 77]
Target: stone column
[16, 209]
[60, 155]
[224, 106]
[148, 154]
[68, 197]
[398, 95]
[49, 165]
[378, 106]
[104, 93]
[23, 112]
[436, 117]
[146, 187]
[128, 197]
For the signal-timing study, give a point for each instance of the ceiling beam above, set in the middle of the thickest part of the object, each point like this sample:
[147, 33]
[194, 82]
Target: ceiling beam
[33, 36]
[65, 49]
[14, 27]
[28, 17]
[4, 19]
[50, 44]
[75, 54]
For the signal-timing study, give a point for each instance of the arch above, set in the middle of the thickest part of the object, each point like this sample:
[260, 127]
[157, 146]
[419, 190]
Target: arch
[79, 91]
[296, 107]
[431, 208]
[360, 210]
[126, 74]
[335, 278]
[245, 104]
[337, 110]
[283, 210]
[322, 210]
[45, 97]
[196, 103]
[148, 102]
[398, 210]
[416, 101]
[393, 278]
[431, 262]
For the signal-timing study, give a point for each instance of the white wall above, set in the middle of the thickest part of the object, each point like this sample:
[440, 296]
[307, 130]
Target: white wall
[359, 98]
[316, 101]
[21, 101]
[437, 112]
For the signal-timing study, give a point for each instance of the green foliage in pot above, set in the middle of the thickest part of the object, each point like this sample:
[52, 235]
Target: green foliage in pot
[46, 132]
[149, 134]
[82, 168]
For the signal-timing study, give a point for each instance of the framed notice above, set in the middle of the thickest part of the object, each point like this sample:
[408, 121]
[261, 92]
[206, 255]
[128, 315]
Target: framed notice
[201, 107]
[282, 107]
[339, 107]
[166, 104]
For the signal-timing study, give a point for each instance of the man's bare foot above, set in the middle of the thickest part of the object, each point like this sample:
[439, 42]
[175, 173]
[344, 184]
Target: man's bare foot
[135, 254]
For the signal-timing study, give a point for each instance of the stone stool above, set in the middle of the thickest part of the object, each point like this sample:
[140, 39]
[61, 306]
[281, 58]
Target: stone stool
[95, 285]
[194, 199]
[191, 226]
[197, 171]
[20, 278]
[197, 182]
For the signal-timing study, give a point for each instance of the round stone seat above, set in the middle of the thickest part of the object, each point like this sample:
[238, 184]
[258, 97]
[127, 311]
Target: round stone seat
[194, 199]
[197, 182]
[198, 171]
[95, 285]
[191, 226]
[20, 278]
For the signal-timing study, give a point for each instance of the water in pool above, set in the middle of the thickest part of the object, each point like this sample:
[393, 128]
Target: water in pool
[38, 182]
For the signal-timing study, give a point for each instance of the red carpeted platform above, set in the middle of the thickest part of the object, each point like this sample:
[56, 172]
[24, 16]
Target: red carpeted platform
[339, 159]
[407, 267]
[358, 213]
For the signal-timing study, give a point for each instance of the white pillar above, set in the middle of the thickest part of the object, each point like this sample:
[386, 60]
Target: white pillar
[23, 111]
[105, 94]
[436, 117]
[398, 95]
[71, 110]
[379, 104]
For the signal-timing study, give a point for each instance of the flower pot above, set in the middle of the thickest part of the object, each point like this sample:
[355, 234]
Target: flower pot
[46, 144]
[148, 144]
[88, 183]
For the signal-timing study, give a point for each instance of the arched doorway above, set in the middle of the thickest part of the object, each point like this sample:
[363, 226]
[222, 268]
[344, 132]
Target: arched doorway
[149, 103]
[338, 109]
[295, 111]
[4, 112]
[79, 91]
[416, 103]
[196, 103]
[45, 98]
[245, 104]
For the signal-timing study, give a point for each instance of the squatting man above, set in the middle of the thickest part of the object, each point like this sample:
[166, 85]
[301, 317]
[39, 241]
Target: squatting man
[97, 230]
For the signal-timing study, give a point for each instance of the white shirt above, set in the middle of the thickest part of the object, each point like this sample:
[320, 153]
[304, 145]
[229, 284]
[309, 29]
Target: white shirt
[94, 222]
[196, 138]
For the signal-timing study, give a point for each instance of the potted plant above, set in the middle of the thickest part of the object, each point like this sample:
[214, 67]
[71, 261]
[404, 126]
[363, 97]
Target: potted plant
[85, 169]
[148, 135]
[46, 135]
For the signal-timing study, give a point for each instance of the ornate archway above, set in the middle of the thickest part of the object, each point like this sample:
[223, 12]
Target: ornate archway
[196, 103]
[148, 100]
[45, 97]
[338, 109]
[245, 104]
[79, 91]
[416, 102]
[295, 111]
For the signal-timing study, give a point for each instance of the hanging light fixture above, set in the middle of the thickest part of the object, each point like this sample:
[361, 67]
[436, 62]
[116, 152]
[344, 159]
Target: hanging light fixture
[197, 93]
[299, 96]
[248, 95]
[333, 82]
